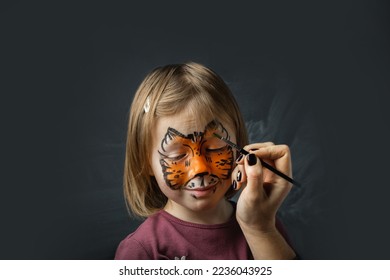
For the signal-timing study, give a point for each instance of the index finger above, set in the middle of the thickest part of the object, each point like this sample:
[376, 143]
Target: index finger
[274, 152]
[279, 156]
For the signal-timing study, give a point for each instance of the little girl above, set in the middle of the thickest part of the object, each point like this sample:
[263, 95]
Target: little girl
[180, 176]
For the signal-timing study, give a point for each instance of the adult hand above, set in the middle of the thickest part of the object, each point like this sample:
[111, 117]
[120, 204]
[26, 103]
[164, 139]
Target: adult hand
[263, 191]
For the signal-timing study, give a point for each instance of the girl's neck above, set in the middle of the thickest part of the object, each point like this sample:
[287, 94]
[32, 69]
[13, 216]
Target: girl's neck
[221, 213]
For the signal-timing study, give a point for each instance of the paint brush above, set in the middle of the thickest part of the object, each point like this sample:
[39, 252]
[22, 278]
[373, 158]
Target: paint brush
[263, 163]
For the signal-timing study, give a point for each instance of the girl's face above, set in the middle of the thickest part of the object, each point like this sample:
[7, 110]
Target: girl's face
[192, 166]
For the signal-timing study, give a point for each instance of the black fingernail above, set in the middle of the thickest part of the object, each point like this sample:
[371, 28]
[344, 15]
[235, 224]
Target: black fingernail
[239, 175]
[234, 185]
[239, 158]
[252, 159]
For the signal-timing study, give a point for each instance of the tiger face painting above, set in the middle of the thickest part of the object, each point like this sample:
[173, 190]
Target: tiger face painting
[196, 160]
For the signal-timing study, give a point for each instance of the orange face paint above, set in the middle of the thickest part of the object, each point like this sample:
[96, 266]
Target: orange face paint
[195, 160]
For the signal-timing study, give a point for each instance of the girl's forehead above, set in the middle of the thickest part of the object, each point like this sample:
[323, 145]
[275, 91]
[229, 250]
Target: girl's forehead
[186, 124]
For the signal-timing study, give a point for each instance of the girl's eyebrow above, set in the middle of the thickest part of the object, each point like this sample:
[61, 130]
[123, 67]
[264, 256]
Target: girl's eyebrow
[170, 135]
[213, 125]
[174, 131]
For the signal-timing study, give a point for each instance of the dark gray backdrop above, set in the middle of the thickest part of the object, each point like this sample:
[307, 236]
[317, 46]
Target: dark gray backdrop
[312, 75]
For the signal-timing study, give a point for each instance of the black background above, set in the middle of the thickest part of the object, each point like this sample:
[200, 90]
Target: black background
[314, 75]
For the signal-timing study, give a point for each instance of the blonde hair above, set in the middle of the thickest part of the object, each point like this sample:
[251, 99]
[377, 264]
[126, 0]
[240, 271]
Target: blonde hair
[167, 91]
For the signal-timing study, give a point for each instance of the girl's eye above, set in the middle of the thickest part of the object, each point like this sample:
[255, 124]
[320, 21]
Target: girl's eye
[173, 156]
[214, 145]
[211, 150]
[178, 157]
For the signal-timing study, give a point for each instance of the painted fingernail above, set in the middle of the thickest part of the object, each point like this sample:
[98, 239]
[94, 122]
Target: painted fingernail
[252, 159]
[239, 175]
[239, 158]
[234, 185]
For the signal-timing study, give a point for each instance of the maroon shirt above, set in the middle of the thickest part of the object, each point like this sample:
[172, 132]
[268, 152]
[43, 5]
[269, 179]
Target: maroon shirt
[163, 236]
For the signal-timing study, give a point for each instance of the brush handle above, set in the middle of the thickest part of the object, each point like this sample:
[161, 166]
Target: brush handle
[277, 172]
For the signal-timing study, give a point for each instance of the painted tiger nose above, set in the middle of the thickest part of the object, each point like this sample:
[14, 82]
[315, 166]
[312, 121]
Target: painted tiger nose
[199, 167]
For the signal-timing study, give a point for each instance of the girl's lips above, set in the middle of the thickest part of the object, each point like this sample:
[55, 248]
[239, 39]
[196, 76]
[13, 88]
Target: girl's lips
[202, 192]
[199, 189]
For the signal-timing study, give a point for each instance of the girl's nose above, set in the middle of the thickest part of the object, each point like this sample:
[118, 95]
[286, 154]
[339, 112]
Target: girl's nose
[199, 167]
